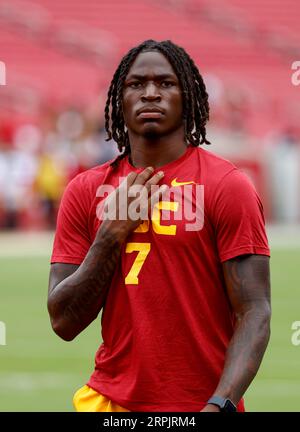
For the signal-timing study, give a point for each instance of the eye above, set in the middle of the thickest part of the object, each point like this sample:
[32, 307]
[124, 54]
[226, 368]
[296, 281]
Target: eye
[167, 84]
[135, 84]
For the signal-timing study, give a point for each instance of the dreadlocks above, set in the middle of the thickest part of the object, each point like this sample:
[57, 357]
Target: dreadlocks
[194, 95]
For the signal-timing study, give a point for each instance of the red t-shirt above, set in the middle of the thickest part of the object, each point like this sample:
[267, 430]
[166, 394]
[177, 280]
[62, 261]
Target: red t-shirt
[166, 328]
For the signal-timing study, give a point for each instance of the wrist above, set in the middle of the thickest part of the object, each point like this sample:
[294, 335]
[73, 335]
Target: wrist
[211, 408]
[112, 233]
[224, 404]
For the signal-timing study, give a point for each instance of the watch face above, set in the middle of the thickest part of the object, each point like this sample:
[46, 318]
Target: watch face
[229, 407]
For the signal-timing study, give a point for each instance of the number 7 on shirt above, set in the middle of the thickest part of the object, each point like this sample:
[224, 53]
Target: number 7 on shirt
[143, 249]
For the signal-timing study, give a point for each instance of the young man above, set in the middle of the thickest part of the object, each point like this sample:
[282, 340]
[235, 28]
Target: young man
[186, 313]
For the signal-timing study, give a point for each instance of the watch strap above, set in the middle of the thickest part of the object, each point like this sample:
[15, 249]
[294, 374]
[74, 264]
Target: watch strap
[224, 404]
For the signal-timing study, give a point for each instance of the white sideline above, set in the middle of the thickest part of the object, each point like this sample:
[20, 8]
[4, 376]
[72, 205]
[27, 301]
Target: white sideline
[32, 244]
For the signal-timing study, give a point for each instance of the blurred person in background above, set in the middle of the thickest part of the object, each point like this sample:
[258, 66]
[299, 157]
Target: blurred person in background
[186, 321]
[49, 184]
[18, 166]
[284, 159]
[38, 160]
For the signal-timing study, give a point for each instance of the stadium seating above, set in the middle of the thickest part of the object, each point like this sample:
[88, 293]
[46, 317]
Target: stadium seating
[67, 51]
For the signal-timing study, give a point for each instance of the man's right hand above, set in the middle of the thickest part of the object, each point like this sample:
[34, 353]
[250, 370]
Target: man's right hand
[118, 216]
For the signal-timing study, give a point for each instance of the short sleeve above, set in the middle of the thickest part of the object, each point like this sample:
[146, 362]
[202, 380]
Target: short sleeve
[72, 239]
[238, 218]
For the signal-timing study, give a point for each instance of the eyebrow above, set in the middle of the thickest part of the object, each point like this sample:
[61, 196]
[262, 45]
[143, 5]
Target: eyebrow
[157, 77]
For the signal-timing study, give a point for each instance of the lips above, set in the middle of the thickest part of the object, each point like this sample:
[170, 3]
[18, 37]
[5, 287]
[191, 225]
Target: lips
[150, 112]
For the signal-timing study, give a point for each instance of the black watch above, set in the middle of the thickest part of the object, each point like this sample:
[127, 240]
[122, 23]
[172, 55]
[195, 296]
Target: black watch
[225, 405]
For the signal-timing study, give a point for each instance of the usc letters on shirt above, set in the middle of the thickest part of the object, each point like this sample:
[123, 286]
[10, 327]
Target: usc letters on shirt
[167, 321]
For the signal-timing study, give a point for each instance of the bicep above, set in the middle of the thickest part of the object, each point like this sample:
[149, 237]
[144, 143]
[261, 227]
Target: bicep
[59, 272]
[247, 279]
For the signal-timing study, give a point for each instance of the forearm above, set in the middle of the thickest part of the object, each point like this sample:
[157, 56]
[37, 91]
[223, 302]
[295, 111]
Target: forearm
[244, 354]
[77, 300]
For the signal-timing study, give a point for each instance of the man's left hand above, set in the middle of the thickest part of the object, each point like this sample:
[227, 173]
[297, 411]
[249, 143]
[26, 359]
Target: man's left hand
[210, 408]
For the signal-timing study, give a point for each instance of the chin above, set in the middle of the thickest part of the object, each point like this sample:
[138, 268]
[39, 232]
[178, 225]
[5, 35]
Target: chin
[151, 131]
[151, 135]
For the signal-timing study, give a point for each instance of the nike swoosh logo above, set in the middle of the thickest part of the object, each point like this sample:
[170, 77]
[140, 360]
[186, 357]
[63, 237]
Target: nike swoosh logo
[174, 182]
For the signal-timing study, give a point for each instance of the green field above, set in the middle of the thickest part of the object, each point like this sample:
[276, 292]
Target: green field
[40, 372]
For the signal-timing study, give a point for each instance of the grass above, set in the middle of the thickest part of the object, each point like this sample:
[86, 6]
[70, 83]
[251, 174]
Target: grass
[277, 384]
[39, 372]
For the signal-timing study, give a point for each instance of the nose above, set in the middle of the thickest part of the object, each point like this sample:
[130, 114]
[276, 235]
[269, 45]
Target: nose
[151, 92]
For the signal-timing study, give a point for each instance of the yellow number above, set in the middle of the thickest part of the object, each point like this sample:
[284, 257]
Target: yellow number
[157, 227]
[143, 249]
[143, 227]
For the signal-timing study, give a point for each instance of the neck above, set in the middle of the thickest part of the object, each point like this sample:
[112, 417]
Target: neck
[158, 151]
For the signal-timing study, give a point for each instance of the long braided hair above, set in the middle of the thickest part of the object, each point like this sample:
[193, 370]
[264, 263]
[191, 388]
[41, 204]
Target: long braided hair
[194, 96]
